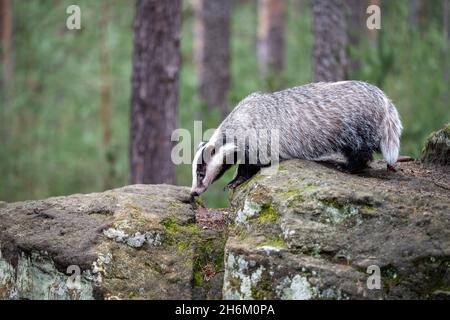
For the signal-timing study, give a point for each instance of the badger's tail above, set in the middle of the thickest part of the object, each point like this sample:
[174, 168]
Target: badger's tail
[390, 134]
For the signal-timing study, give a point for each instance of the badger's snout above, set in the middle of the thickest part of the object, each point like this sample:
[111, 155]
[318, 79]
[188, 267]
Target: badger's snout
[196, 191]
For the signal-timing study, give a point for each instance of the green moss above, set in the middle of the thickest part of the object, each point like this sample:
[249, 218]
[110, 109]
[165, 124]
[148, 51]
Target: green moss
[313, 252]
[204, 249]
[295, 200]
[295, 196]
[198, 202]
[276, 242]
[176, 205]
[180, 236]
[198, 279]
[390, 277]
[208, 259]
[171, 226]
[446, 129]
[234, 283]
[282, 167]
[132, 295]
[333, 203]
[389, 272]
[268, 214]
[262, 290]
[367, 208]
[192, 228]
[182, 246]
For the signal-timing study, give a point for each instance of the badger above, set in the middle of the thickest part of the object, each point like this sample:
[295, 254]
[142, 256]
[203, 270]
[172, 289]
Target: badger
[351, 118]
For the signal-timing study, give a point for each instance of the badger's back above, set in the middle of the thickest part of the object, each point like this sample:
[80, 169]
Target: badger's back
[321, 118]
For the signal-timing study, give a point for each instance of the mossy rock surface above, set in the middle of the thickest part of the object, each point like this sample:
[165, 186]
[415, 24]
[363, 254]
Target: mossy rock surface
[437, 148]
[311, 232]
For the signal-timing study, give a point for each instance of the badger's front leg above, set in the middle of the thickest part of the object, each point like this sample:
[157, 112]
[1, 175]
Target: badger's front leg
[244, 172]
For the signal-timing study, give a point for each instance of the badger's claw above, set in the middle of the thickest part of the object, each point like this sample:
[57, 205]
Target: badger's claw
[234, 183]
[230, 185]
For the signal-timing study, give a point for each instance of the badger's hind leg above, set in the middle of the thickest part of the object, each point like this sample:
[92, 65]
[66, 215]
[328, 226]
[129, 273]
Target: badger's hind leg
[357, 160]
[244, 172]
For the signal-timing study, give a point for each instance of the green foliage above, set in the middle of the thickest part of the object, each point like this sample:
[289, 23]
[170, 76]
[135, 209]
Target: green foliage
[51, 135]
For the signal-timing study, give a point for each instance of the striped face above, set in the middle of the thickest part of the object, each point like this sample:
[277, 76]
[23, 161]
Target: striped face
[208, 166]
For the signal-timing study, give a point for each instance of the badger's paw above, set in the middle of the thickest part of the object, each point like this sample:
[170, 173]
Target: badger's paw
[236, 182]
[390, 168]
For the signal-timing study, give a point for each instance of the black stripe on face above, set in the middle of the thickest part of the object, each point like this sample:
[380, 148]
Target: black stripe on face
[201, 167]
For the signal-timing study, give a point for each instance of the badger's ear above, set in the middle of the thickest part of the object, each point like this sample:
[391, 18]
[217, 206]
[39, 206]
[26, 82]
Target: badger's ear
[201, 144]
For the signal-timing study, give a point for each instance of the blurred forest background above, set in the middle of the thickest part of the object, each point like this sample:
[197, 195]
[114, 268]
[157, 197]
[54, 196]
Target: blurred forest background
[67, 95]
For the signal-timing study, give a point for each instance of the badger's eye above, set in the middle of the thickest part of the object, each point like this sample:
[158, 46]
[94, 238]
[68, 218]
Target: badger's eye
[213, 151]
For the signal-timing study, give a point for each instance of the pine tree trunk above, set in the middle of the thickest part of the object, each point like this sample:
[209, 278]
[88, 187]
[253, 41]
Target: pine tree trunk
[330, 40]
[212, 50]
[154, 103]
[413, 12]
[356, 25]
[374, 33]
[270, 37]
[446, 35]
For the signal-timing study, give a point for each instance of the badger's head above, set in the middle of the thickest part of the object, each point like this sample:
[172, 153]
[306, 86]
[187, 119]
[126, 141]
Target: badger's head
[209, 164]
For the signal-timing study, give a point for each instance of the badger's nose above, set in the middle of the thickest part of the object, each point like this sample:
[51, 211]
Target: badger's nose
[194, 193]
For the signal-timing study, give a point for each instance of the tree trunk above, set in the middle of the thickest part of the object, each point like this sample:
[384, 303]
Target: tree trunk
[270, 37]
[374, 33]
[355, 27]
[446, 35]
[212, 50]
[330, 40]
[413, 12]
[157, 28]
[6, 47]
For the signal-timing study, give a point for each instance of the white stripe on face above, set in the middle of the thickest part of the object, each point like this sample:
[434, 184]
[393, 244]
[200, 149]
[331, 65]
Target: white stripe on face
[195, 162]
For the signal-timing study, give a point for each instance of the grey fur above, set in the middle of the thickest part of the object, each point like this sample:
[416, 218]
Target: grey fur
[314, 120]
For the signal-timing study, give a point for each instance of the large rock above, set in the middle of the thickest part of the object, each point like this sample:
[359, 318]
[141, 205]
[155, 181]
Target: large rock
[307, 231]
[137, 242]
[312, 232]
